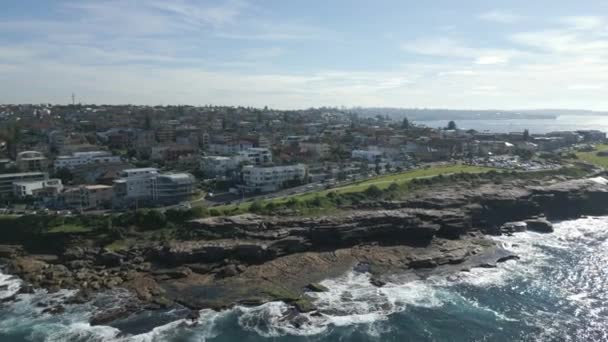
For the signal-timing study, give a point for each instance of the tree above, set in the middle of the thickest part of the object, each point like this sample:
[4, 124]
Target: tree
[526, 135]
[148, 122]
[12, 135]
[451, 125]
[65, 175]
[405, 124]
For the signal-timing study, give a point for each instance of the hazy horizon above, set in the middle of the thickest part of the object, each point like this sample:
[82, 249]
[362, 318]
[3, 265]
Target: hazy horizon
[470, 55]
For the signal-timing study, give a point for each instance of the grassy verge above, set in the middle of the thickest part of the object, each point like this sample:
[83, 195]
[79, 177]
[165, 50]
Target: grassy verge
[593, 158]
[381, 182]
[69, 228]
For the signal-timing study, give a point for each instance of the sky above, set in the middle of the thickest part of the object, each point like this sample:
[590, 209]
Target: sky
[466, 54]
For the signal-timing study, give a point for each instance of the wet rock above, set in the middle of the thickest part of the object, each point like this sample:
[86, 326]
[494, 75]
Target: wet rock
[177, 273]
[316, 287]
[377, 282]
[541, 225]
[106, 317]
[304, 305]
[514, 227]
[193, 315]
[54, 310]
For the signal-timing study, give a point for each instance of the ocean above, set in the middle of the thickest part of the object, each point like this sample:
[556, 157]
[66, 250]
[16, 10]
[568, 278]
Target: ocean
[535, 126]
[557, 291]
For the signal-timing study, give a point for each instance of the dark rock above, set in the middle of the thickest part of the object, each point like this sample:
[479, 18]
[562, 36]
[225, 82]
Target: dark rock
[110, 259]
[106, 317]
[177, 273]
[540, 225]
[11, 251]
[193, 315]
[514, 227]
[377, 282]
[229, 271]
[54, 310]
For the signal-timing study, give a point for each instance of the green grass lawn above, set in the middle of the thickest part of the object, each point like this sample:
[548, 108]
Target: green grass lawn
[381, 182]
[593, 158]
[69, 228]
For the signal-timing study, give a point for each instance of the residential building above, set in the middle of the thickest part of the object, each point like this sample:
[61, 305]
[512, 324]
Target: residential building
[256, 155]
[78, 159]
[229, 148]
[30, 161]
[7, 180]
[272, 178]
[319, 150]
[172, 188]
[148, 186]
[369, 155]
[592, 135]
[214, 166]
[37, 188]
[88, 197]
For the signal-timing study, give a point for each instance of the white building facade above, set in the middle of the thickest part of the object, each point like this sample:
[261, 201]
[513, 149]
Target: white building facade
[85, 158]
[151, 187]
[271, 178]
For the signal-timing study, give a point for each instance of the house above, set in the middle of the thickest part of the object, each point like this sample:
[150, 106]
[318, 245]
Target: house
[319, 150]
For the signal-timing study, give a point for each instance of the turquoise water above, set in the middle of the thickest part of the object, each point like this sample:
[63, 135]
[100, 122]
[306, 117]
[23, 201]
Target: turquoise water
[558, 291]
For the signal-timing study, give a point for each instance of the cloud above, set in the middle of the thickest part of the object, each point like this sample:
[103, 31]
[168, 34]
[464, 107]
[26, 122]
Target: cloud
[492, 60]
[585, 87]
[450, 48]
[499, 16]
[585, 22]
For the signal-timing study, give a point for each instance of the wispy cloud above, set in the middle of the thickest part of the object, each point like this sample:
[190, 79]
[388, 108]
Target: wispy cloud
[500, 16]
[450, 48]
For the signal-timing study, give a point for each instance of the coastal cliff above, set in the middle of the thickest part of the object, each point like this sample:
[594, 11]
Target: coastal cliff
[252, 259]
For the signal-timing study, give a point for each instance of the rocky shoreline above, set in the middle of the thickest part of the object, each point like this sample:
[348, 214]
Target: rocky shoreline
[251, 260]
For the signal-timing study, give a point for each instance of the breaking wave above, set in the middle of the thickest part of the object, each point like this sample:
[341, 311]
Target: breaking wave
[558, 290]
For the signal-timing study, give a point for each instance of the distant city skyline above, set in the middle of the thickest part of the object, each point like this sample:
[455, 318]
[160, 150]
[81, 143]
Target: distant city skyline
[287, 54]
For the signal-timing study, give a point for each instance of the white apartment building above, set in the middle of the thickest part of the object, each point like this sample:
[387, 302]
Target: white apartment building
[220, 165]
[149, 186]
[30, 161]
[257, 155]
[369, 155]
[85, 158]
[8, 179]
[271, 178]
[33, 188]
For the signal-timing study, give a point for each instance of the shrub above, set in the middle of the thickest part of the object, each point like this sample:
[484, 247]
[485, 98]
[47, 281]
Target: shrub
[373, 191]
[256, 206]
